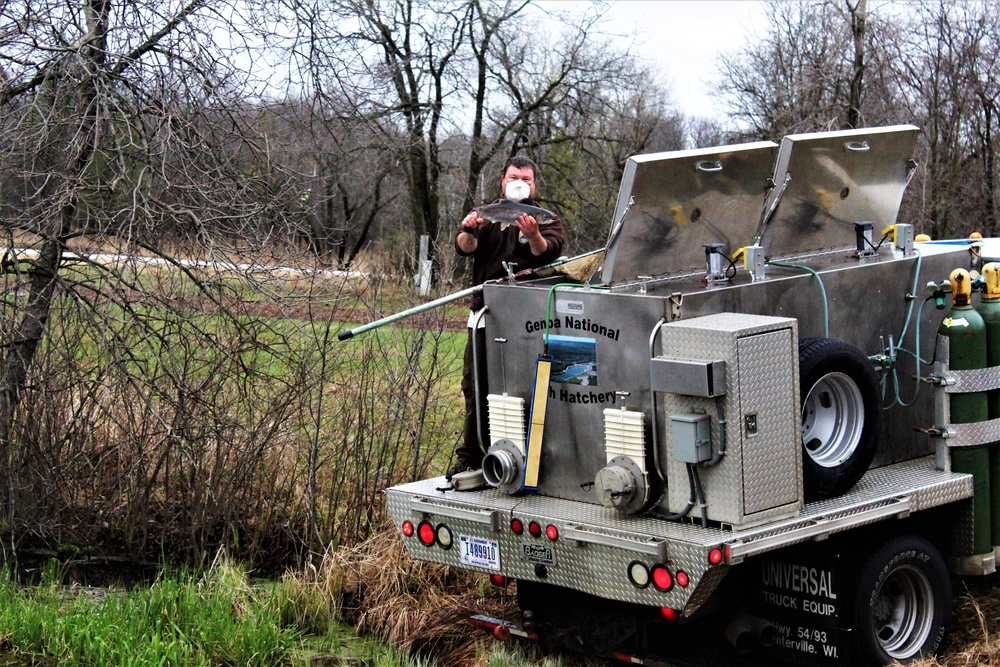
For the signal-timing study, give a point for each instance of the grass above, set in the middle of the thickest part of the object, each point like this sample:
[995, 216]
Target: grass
[213, 619]
[221, 617]
[421, 608]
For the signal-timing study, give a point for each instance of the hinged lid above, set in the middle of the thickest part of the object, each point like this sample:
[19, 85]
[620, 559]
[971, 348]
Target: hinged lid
[671, 203]
[834, 180]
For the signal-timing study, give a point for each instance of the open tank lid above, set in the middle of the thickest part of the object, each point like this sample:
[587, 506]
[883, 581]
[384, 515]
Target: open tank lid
[828, 181]
[672, 203]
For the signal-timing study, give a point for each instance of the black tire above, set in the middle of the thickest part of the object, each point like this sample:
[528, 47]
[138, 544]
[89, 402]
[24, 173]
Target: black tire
[902, 603]
[839, 397]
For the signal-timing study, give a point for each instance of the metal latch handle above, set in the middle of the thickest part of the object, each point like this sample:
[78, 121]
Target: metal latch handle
[655, 547]
[489, 518]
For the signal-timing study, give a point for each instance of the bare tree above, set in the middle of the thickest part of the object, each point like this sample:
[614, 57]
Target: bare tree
[125, 132]
[934, 55]
[426, 77]
[809, 72]
[858, 13]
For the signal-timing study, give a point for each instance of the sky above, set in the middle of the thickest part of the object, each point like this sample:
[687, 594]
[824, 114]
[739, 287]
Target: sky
[683, 39]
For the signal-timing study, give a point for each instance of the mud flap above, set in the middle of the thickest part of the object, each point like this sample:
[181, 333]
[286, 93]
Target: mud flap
[799, 608]
[536, 423]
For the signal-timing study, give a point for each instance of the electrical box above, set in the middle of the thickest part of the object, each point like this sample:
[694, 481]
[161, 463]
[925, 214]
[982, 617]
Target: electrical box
[692, 437]
[688, 376]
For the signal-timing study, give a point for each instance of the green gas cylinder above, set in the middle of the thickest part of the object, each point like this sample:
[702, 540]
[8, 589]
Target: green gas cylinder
[989, 308]
[966, 332]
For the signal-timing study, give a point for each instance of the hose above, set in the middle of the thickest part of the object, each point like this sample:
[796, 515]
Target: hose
[822, 289]
[721, 451]
[677, 516]
[701, 497]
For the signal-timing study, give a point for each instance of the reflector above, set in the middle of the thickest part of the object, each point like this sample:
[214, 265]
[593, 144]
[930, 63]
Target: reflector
[662, 578]
[638, 574]
[425, 532]
[669, 615]
[407, 528]
[444, 536]
[498, 580]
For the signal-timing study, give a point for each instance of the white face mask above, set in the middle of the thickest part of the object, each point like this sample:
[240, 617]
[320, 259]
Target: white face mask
[517, 190]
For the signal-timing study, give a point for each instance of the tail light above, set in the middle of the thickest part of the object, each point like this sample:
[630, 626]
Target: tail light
[662, 578]
[669, 615]
[407, 528]
[425, 532]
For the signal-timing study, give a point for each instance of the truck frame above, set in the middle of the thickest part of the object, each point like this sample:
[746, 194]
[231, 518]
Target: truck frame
[759, 449]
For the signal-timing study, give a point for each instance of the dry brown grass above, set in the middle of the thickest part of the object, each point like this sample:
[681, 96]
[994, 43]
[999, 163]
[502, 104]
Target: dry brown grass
[422, 608]
[974, 638]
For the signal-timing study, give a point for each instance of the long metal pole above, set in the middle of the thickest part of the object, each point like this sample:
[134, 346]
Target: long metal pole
[430, 305]
[548, 269]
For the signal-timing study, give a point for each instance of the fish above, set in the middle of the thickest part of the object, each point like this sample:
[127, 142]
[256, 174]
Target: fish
[506, 212]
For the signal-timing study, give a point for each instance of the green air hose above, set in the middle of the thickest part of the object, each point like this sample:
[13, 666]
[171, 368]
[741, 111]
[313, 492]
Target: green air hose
[822, 289]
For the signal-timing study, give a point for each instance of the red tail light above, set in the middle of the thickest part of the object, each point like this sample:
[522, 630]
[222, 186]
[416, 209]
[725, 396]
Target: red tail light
[662, 578]
[682, 578]
[407, 528]
[517, 526]
[669, 615]
[715, 556]
[534, 529]
[551, 532]
[425, 532]
[498, 580]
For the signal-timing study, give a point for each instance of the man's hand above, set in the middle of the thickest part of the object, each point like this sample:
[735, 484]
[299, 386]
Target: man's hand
[466, 239]
[472, 222]
[529, 229]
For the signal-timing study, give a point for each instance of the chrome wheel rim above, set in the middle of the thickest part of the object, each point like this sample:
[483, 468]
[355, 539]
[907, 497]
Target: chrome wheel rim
[903, 613]
[833, 417]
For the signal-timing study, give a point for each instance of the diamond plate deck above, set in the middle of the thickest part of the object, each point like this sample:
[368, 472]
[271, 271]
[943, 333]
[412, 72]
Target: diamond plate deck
[603, 543]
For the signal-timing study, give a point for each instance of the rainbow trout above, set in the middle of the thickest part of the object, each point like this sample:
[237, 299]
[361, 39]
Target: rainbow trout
[505, 213]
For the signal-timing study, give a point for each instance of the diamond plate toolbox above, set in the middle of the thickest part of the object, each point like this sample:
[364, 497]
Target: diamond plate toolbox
[758, 478]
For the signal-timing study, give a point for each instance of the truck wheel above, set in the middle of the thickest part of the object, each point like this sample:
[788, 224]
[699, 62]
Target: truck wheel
[902, 604]
[840, 414]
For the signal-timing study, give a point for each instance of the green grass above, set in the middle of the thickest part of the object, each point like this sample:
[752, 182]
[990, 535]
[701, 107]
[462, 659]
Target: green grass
[216, 618]
[213, 619]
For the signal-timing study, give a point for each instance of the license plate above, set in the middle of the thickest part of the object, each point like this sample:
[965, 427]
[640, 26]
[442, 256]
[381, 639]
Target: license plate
[479, 552]
[538, 553]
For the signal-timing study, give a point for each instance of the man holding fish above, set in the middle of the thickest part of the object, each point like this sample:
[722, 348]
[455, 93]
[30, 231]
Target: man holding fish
[513, 230]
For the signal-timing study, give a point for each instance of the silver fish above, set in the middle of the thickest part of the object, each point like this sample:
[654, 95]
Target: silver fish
[507, 212]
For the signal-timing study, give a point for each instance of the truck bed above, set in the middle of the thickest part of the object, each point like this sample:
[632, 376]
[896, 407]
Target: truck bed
[596, 545]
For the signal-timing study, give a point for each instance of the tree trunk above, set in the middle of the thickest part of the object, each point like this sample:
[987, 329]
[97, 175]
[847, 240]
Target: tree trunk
[858, 16]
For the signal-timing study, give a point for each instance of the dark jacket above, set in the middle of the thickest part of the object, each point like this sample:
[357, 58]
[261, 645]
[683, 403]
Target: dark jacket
[496, 246]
